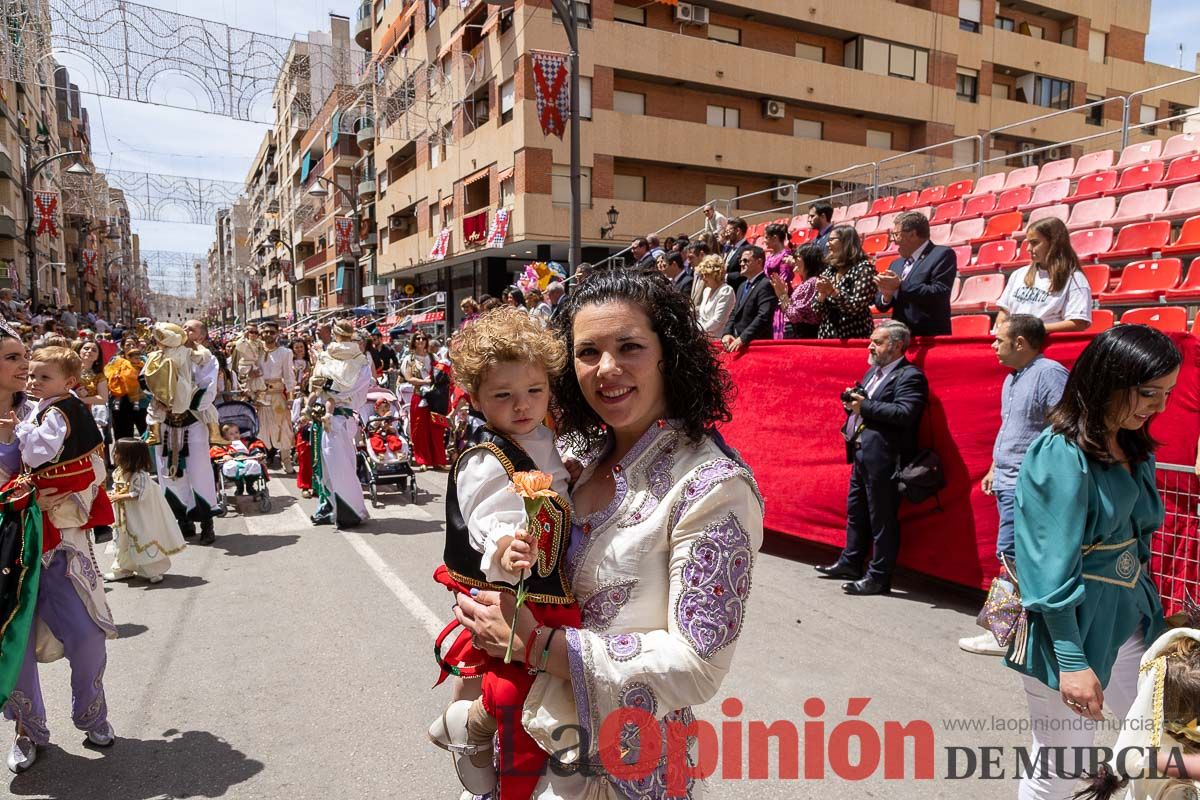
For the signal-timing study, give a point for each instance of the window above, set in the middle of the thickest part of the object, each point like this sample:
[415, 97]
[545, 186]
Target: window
[885, 58]
[629, 102]
[1052, 93]
[807, 129]
[1036, 31]
[810, 52]
[431, 12]
[721, 33]
[1095, 114]
[1000, 91]
[969, 15]
[507, 100]
[435, 152]
[967, 84]
[1097, 46]
[719, 191]
[964, 152]
[560, 179]
[629, 187]
[1005, 24]
[880, 140]
[435, 219]
[634, 16]
[723, 117]
[507, 187]
[1147, 114]
[585, 97]
[1067, 37]
[583, 13]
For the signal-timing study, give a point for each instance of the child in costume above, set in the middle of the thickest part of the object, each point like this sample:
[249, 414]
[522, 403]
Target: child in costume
[248, 353]
[62, 453]
[505, 360]
[147, 534]
[241, 459]
[384, 440]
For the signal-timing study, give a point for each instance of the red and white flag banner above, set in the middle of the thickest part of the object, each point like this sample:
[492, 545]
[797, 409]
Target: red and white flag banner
[499, 230]
[441, 246]
[344, 227]
[551, 91]
[45, 207]
[89, 262]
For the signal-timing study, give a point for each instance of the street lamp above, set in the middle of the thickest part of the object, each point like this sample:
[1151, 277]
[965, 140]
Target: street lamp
[275, 237]
[613, 215]
[566, 12]
[32, 170]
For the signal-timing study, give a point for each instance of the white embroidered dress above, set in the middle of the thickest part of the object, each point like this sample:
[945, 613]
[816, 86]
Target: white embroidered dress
[662, 576]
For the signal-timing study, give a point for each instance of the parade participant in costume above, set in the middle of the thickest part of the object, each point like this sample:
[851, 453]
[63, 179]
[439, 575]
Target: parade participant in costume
[93, 391]
[62, 457]
[168, 375]
[667, 520]
[279, 381]
[147, 534]
[247, 363]
[125, 391]
[428, 438]
[505, 360]
[340, 382]
[191, 493]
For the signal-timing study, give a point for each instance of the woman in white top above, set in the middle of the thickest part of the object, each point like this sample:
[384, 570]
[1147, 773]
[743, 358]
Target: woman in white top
[1053, 288]
[716, 299]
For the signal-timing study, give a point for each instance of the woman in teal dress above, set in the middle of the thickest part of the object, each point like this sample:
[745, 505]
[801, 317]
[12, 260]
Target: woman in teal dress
[1086, 508]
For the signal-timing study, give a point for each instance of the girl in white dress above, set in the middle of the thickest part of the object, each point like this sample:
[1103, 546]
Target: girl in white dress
[147, 534]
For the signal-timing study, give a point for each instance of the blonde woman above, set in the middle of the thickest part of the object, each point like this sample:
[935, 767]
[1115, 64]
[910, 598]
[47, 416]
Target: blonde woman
[716, 297]
[1052, 288]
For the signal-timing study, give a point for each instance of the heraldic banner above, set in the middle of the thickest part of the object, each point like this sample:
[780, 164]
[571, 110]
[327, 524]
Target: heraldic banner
[552, 91]
[344, 226]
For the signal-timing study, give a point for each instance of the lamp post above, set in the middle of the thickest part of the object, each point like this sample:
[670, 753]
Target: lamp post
[613, 215]
[320, 191]
[566, 13]
[32, 170]
[275, 237]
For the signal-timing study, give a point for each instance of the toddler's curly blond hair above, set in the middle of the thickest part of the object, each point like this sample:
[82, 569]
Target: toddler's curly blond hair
[504, 335]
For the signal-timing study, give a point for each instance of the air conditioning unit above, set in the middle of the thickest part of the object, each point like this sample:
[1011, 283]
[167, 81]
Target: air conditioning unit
[785, 192]
[699, 15]
[691, 14]
[1026, 159]
[774, 109]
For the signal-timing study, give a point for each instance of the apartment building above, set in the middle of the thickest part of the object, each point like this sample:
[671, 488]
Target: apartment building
[715, 100]
[222, 294]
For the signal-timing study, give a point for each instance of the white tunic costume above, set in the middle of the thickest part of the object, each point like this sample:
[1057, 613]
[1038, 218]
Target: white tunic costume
[147, 534]
[192, 486]
[662, 576]
[348, 371]
[276, 429]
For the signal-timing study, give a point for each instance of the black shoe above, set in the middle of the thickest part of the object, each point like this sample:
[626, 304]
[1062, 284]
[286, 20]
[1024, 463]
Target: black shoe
[188, 529]
[838, 569]
[349, 524]
[241, 490]
[322, 519]
[102, 533]
[207, 535]
[868, 585]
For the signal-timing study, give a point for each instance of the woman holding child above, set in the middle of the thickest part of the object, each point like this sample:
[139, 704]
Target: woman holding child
[665, 526]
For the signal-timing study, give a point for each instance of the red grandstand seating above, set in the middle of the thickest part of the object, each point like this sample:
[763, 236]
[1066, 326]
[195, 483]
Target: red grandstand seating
[886, 220]
[1098, 276]
[1136, 178]
[1022, 257]
[881, 205]
[988, 184]
[991, 256]
[876, 243]
[1061, 210]
[1185, 169]
[1189, 290]
[1141, 239]
[1189, 238]
[1054, 170]
[931, 195]
[884, 261]
[906, 201]
[1099, 161]
[1012, 199]
[954, 290]
[1102, 320]
[966, 231]
[971, 325]
[1140, 153]
[855, 211]
[940, 234]
[1185, 202]
[978, 292]
[925, 211]
[1092, 213]
[1165, 318]
[1096, 185]
[1092, 242]
[977, 206]
[958, 189]
[1021, 176]
[1144, 282]
[1196, 326]
[1049, 193]
[962, 254]
[1000, 226]
[1182, 144]
[866, 225]
[839, 215]
[945, 212]
[1140, 206]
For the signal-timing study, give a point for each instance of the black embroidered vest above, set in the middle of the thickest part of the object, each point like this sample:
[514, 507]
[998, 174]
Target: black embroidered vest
[547, 581]
[83, 435]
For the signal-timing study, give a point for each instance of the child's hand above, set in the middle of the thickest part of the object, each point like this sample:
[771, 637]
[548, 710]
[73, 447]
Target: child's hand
[520, 552]
[574, 468]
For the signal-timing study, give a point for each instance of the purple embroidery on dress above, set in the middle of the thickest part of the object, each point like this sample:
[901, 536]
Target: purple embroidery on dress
[19, 708]
[624, 646]
[602, 607]
[704, 479]
[658, 483]
[716, 583]
[639, 695]
[579, 679]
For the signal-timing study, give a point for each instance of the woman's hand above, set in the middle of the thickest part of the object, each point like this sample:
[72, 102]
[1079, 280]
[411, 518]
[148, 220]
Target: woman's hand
[779, 286]
[8, 424]
[1082, 693]
[487, 617]
[824, 287]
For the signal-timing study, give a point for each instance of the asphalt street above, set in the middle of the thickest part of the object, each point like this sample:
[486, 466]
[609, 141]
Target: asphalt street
[295, 662]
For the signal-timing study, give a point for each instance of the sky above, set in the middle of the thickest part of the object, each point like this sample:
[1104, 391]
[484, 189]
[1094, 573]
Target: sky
[144, 138]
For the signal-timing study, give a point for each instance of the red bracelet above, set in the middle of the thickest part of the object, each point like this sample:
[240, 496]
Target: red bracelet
[529, 645]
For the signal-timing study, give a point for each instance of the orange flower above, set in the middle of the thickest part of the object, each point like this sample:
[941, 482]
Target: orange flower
[531, 485]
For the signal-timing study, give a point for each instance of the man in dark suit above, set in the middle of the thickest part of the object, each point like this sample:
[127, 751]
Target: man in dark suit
[881, 433]
[756, 304]
[680, 274]
[820, 219]
[919, 296]
[640, 250]
[736, 234]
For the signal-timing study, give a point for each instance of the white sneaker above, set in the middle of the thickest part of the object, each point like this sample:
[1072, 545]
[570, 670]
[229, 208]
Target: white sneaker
[983, 645]
[155, 579]
[472, 762]
[118, 575]
[103, 737]
[22, 755]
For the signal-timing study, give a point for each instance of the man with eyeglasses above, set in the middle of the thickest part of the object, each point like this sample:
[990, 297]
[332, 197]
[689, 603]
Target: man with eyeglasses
[919, 296]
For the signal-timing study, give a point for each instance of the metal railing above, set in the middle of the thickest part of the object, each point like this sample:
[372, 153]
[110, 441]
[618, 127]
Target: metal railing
[1175, 548]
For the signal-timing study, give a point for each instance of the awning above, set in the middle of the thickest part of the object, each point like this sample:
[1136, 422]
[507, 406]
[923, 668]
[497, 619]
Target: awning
[399, 28]
[476, 176]
[504, 174]
[447, 201]
[449, 45]
[492, 21]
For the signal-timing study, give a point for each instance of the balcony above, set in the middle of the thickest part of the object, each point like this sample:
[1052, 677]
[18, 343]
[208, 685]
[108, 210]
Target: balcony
[366, 136]
[316, 261]
[362, 26]
[366, 190]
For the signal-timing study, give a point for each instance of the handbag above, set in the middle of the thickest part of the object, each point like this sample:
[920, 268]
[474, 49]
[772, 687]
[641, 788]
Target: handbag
[921, 478]
[1003, 615]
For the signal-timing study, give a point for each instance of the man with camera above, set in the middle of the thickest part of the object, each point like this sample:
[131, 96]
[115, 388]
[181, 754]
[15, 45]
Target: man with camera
[884, 412]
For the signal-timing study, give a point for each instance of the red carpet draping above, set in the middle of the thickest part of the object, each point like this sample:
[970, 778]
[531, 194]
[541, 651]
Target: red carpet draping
[787, 421]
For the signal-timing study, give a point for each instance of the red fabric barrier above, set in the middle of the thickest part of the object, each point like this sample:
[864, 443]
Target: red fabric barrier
[787, 425]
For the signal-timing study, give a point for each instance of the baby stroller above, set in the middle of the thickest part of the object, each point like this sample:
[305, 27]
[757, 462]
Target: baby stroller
[244, 415]
[384, 451]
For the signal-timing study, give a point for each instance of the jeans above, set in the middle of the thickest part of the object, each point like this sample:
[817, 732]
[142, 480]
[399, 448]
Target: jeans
[1006, 541]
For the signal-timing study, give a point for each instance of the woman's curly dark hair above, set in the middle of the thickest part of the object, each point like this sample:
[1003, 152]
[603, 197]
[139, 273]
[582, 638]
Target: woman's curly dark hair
[698, 387]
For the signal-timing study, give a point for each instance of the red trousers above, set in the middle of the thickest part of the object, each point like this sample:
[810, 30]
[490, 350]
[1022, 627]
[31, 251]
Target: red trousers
[505, 687]
[428, 438]
[304, 461]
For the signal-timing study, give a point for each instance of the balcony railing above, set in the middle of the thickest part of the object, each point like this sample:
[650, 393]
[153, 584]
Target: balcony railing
[316, 260]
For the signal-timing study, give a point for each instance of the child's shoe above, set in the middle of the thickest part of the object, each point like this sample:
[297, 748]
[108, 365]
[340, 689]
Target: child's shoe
[472, 762]
[117, 575]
